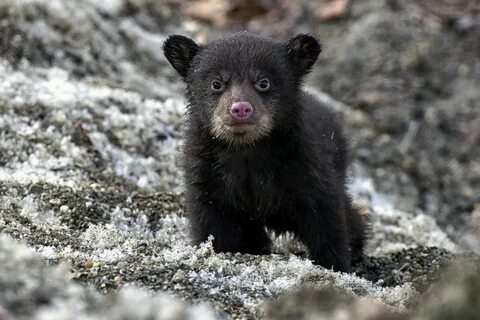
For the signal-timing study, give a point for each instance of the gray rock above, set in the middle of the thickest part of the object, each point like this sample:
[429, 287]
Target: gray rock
[32, 289]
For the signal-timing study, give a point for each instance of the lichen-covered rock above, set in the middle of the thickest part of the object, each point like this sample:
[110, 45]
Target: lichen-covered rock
[109, 41]
[67, 132]
[31, 289]
[455, 296]
[325, 304]
[415, 104]
[142, 239]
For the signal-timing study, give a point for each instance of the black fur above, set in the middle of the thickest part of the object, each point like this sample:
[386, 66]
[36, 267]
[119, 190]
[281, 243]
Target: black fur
[291, 179]
[179, 51]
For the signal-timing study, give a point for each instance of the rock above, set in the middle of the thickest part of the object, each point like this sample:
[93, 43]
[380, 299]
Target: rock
[179, 276]
[31, 289]
[455, 296]
[328, 303]
[76, 36]
[384, 60]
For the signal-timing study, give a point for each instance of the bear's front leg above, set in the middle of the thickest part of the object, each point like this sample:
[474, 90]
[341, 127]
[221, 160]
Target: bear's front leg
[231, 231]
[323, 229]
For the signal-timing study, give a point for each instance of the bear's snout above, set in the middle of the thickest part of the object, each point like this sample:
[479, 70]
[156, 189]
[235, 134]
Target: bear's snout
[241, 111]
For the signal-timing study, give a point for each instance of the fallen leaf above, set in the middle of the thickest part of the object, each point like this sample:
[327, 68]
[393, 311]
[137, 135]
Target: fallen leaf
[333, 10]
[209, 11]
[222, 13]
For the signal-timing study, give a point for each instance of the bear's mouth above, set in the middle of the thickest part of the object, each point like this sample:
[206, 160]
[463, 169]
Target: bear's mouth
[241, 132]
[231, 122]
[240, 127]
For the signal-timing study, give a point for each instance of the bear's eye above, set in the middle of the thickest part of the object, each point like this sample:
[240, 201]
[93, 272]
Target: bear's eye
[217, 86]
[262, 85]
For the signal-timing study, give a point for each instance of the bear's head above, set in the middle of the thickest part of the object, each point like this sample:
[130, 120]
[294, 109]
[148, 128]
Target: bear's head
[244, 86]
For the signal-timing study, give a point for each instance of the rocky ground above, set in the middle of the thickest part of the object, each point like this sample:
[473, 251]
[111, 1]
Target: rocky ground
[91, 213]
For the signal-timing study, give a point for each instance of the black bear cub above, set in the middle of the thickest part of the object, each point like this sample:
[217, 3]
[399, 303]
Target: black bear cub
[260, 152]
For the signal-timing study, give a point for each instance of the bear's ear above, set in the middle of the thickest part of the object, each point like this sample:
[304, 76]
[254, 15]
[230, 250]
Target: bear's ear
[179, 51]
[303, 51]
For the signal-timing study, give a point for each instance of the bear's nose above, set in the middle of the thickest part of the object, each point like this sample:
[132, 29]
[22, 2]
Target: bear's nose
[241, 110]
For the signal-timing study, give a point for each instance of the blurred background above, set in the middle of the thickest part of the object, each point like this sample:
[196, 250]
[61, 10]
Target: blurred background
[408, 70]
[91, 129]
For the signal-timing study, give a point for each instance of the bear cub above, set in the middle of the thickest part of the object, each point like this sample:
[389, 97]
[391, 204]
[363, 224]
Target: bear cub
[260, 152]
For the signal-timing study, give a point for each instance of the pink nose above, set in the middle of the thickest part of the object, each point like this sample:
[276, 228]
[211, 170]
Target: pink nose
[241, 110]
